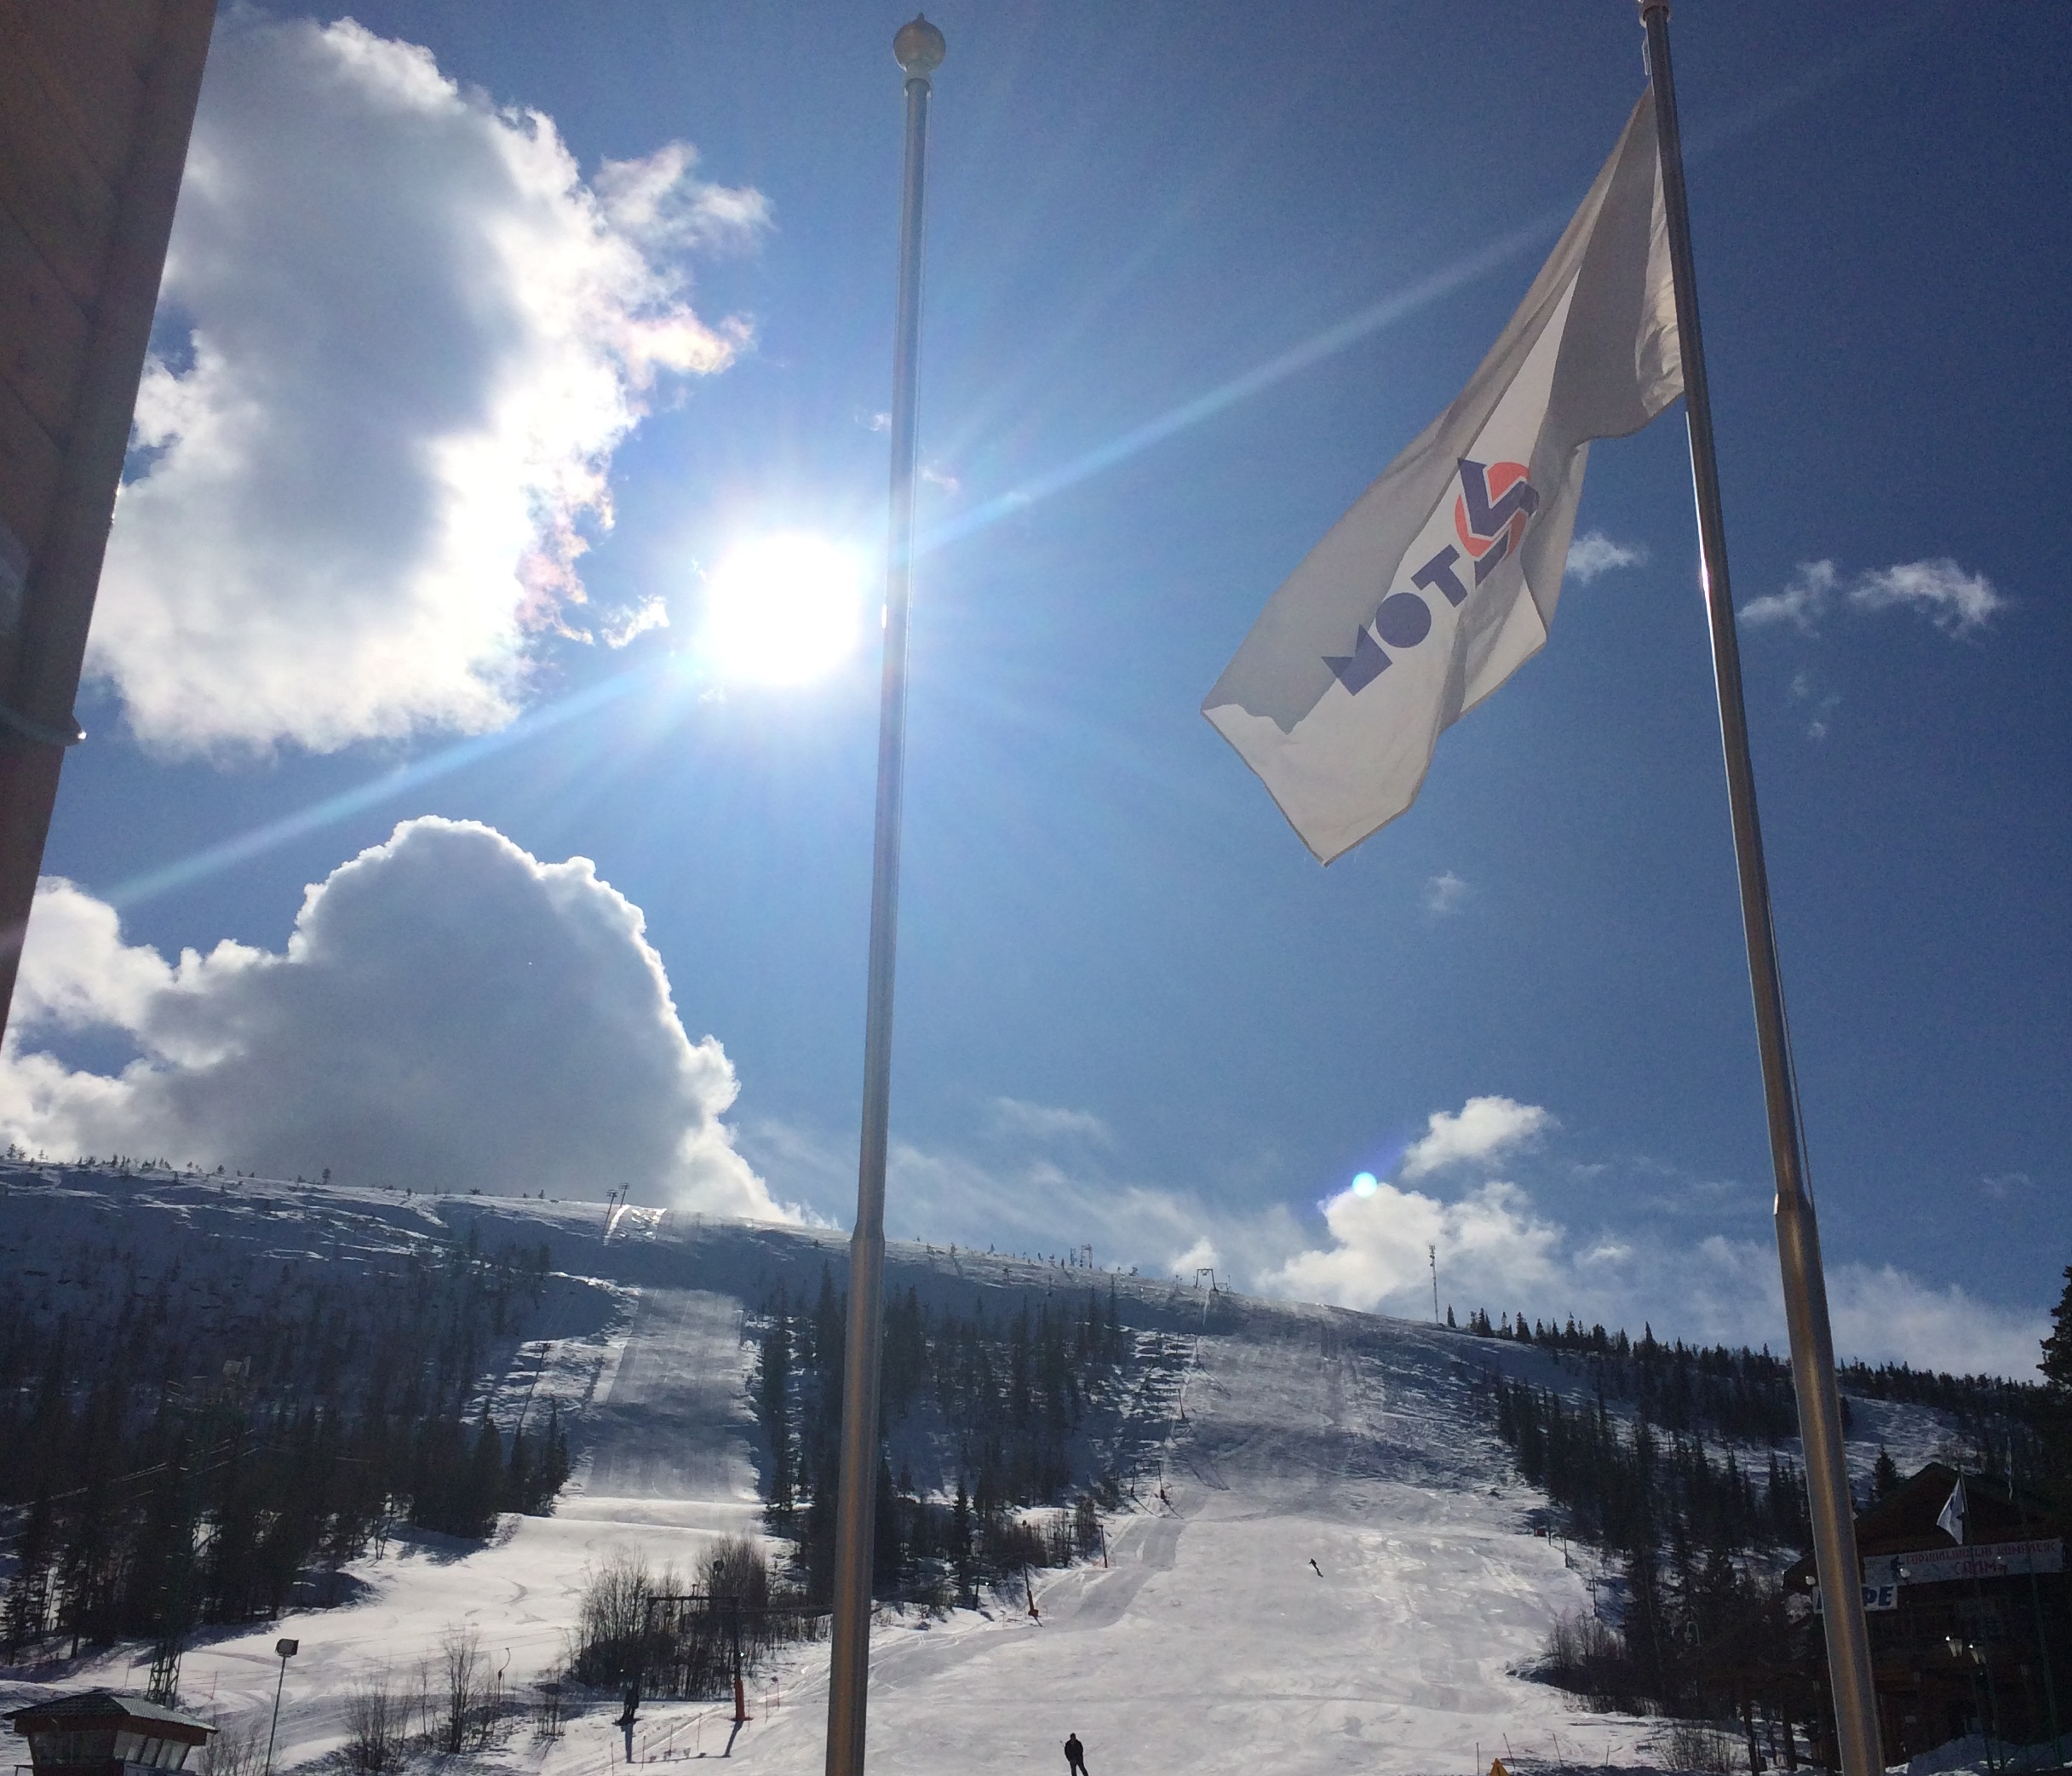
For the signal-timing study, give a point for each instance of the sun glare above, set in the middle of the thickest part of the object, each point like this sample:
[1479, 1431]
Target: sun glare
[783, 610]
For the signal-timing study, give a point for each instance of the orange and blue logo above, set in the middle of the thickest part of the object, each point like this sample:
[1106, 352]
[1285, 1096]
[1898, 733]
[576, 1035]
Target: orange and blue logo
[1491, 514]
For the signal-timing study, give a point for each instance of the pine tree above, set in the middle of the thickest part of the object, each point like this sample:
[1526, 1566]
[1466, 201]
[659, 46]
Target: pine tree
[517, 1491]
[554, 1459]
[2056, 1364]
[483, 1479]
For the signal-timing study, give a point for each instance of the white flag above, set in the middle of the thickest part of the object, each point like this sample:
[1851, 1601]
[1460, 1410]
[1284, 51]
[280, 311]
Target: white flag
[1442, 579]
[1951, 1522]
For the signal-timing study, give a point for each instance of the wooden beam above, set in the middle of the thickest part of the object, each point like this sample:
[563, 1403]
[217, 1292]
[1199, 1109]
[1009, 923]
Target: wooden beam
[99, 95]
[43, 332]
[46, 184]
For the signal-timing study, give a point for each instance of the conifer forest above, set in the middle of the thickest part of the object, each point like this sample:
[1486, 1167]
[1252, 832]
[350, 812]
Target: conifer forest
[185, 1442]
[981, 1417]
[1663, 1458]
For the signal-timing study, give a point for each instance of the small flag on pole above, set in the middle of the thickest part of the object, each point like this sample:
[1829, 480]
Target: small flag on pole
[1442, 579]
[1952, 1519]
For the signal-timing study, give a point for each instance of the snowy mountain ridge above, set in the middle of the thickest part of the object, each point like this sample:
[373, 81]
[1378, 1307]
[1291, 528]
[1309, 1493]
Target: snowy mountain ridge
[1328, 1562]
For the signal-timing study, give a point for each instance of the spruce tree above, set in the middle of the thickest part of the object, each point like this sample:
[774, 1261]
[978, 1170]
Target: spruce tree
[2056, 1364]
[484, 1481]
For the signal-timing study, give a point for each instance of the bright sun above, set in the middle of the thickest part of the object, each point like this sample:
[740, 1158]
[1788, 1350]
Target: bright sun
[783, 610]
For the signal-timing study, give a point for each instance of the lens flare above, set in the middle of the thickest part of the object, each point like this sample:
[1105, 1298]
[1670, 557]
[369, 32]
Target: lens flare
[783, 610]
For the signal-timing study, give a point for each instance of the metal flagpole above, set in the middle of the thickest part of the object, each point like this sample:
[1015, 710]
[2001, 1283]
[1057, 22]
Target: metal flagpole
[919, 47]
[1805, 1290]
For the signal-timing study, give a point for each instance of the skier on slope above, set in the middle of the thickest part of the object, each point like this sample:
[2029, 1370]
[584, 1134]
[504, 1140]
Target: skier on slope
[1075, 1755]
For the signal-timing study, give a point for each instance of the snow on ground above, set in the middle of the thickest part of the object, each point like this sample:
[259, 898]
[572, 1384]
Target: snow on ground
[1211, 1643]
[1208, 1643]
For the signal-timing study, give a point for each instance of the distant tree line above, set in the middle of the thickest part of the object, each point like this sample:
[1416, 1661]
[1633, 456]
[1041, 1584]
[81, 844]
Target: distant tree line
[1697, 1529]
[995, 1407]
[182, 1443]
[1741, 1394]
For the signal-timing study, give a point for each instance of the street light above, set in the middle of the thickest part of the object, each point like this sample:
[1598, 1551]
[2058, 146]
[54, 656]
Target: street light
[285, 1649]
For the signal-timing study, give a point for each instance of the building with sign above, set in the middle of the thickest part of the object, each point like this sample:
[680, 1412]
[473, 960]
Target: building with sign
[1965, 1593]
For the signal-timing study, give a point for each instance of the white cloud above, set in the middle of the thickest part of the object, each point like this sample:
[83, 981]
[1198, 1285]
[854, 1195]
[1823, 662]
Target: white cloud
[1955, 601]
[1026, 1205]
[2003, 1186]
[1882, 1314]
[1042, 1206]
[1594, 553]
[417, 337]
[1940, 591]
[1045, 1122]
[1446, 893]
[1801, 603]
[1490, 1245]
[1807, 688]
[1479, 1131]
[1496, 1251]
[450, 1013]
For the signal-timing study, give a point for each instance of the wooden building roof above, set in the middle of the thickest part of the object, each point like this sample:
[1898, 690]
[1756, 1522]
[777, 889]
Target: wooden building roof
[109, 1708]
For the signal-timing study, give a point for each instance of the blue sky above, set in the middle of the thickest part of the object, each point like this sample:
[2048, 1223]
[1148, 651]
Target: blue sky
[1132, 1011]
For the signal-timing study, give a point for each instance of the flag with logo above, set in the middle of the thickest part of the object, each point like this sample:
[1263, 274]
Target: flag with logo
[1951, 1522]
[1442, 579]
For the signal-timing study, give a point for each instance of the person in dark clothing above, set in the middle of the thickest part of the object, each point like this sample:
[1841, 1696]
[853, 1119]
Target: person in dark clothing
[1075, 1755]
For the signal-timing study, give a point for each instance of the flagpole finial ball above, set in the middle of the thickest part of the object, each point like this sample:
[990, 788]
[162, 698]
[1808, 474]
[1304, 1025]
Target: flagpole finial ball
[919, 47]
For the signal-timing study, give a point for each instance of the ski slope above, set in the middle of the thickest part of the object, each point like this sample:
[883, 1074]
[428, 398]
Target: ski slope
[1287, 1436]
[1211, 1643]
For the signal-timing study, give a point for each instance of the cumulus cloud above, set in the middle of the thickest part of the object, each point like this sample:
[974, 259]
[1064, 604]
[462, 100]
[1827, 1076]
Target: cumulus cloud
[1955, 601]
[1496, 1250]
[1482, 1129]
[414, 337]
[1594, 553]
[1445, 893]
[1496, 1247]
[1492, 1245]
[450, 1013]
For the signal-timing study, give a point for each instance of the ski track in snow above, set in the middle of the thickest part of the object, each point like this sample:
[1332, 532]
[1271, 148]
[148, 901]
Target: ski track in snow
[1209, 1645]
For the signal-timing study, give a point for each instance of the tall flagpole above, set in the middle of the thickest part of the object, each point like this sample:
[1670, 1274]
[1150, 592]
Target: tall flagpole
[1805, 1290]
[918, 49]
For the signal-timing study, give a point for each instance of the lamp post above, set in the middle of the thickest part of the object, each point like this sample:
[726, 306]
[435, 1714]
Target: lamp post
[285, 1649]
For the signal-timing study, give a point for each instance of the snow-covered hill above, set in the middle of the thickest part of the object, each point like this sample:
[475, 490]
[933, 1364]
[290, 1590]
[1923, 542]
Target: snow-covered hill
[1327, 1566]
